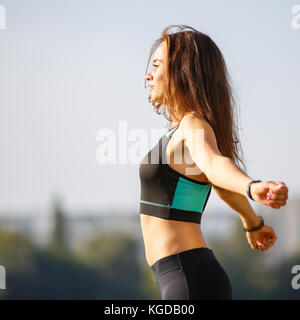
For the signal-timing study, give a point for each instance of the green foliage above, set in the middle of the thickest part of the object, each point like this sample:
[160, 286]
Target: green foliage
[114, 255]
[58, 239]
[250, 278]
[16, 252]
[32, 273]
[107, 266]
[148, 286]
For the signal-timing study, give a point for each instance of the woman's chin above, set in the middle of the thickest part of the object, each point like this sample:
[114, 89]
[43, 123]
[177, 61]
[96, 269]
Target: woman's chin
[152, 96]
[155, 99]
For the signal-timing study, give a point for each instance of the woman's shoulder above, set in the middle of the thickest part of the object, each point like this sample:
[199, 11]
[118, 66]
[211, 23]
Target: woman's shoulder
[192, 123]
[194, 120]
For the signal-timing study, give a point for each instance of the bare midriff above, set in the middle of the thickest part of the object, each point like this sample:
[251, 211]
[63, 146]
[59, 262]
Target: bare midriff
[164, 237]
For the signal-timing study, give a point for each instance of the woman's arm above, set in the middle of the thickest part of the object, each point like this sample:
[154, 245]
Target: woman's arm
[262, 239]
[225, 174]
[201, 143]
[200, 140]
[240, 204]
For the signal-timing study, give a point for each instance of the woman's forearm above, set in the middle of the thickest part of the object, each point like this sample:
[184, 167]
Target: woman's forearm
[241, 205]
[225, 174]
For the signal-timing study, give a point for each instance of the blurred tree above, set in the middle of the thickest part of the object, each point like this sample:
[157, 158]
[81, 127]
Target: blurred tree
[114, 255]
[32, 273]
[148, 286]
[59, 237]
[250, 279]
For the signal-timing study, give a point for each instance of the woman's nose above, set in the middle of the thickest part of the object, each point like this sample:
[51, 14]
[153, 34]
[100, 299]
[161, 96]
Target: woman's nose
[149, 76]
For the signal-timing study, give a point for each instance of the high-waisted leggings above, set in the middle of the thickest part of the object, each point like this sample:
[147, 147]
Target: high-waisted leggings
[193, 274]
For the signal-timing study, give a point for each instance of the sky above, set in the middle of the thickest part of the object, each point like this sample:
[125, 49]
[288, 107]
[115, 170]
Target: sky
[69, 68]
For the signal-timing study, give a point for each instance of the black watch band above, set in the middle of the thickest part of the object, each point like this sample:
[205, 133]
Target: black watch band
[248, 188]
[251, 229]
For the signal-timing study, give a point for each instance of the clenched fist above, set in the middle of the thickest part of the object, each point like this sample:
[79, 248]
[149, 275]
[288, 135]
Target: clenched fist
[270, 193]
[262, 239]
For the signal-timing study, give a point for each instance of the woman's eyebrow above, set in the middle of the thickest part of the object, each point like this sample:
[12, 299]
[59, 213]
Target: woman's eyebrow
[157, 60]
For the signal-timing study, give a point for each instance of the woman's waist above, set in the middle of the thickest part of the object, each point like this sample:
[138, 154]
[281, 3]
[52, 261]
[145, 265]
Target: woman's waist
[154, 250]
[164, 237]
[169, 227]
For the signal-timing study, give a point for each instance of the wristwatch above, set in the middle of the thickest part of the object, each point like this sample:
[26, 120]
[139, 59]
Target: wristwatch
[248, 188]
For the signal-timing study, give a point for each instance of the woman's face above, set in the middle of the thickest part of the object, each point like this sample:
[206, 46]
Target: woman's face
[156, 75]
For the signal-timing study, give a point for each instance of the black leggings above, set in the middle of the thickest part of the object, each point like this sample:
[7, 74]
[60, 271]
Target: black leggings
[193, 274]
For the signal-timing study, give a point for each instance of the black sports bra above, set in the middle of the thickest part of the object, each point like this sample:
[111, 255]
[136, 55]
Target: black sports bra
[166, 193]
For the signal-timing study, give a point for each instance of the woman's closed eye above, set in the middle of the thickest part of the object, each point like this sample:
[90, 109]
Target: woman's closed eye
[154, 65]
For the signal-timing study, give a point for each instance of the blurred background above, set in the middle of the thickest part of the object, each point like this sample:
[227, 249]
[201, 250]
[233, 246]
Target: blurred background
[69, 225]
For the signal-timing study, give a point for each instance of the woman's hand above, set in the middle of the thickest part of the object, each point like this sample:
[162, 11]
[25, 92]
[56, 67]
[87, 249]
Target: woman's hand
[270, 193]
[262, 239]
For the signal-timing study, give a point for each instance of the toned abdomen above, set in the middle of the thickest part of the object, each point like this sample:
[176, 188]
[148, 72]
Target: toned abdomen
[164, 237]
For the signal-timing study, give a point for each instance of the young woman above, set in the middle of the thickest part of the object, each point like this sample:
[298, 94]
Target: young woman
[190, 78]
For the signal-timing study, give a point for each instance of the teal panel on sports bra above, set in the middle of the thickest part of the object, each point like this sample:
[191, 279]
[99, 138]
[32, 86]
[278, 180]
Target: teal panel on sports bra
[190, 196]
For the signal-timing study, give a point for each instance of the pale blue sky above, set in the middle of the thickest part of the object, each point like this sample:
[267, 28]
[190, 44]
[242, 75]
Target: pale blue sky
[71, 68]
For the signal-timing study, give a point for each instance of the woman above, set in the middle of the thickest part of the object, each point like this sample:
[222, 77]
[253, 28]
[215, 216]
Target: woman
[189, 76]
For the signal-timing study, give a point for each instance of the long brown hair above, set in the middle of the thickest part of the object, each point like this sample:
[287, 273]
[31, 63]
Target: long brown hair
[197, 80]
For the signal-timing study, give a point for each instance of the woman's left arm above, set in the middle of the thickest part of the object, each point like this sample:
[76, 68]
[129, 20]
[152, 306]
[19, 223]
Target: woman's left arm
[201, 143]
[227, 174]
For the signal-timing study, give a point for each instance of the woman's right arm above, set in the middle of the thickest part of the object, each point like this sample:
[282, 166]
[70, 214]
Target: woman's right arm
[239, 204]
[262, 239]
